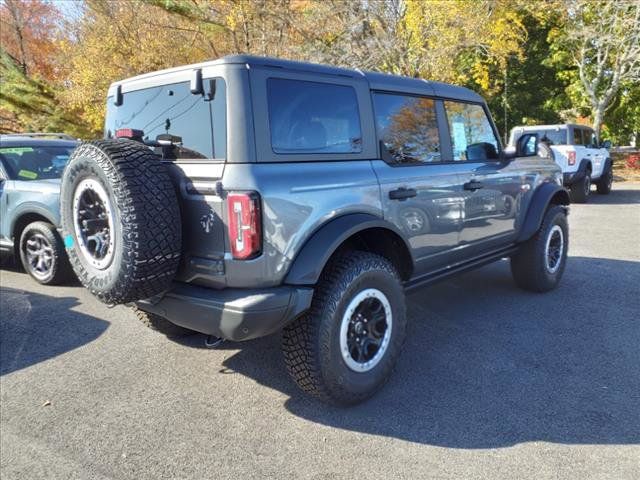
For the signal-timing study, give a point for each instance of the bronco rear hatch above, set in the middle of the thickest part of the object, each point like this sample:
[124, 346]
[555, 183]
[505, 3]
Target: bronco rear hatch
[185, 124]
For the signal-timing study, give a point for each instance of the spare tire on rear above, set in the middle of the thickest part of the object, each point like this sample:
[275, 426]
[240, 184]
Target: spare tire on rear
[120, 220]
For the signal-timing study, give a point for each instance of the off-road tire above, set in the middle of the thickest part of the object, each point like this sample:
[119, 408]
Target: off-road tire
[161, 324]
[311, 343]
[579, 191]
[528, 265]
[60, 270]
[147, 225]
[605, 182]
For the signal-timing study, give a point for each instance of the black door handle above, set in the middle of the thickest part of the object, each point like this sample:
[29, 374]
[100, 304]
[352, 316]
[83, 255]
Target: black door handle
[473, 185]
[402, 193]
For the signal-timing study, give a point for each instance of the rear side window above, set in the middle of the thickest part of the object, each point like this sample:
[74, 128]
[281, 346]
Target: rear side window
[553, 137]
[309, 117]
[577, 137]
[200, 120]
[407, 127]
[472, 137]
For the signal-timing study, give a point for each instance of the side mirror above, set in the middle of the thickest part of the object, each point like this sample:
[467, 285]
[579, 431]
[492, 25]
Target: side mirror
[606, 144]
[527, 145]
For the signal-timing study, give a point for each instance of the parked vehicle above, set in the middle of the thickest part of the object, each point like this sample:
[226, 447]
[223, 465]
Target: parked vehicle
[581, 157]
[246, 195]
[30, 170]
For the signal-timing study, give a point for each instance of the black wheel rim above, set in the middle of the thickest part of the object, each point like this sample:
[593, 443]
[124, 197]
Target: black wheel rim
[554, 249]
[587, 185]
[93, 223]
[365, 330]
[39, 254]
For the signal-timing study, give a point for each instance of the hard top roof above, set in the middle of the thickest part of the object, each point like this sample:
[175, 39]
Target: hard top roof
[550, 127]
[377, 81]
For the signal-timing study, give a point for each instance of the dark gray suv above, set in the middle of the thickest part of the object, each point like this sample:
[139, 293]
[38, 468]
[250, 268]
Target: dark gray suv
[247, 195]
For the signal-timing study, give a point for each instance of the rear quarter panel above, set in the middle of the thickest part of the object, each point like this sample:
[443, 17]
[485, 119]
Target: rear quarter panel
[297, 199]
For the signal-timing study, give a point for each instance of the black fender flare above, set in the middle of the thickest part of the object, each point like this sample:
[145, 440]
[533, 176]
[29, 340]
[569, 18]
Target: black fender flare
[543, 196]
[32, 209]
[608, 165]
[314, 254]
[584, 165]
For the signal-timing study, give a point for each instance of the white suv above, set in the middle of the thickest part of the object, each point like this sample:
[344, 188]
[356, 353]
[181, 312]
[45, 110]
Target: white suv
[576, 150]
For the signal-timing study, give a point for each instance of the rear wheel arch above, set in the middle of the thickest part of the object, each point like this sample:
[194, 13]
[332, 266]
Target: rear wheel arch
[364, 232]
[26, 218]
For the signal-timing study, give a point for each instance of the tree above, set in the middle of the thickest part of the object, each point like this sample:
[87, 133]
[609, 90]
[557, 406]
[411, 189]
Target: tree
[29, 33]
[603, 40]
[115, 40]
[32, 104]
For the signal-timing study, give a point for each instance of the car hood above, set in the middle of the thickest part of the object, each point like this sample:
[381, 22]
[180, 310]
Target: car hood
[40, 186]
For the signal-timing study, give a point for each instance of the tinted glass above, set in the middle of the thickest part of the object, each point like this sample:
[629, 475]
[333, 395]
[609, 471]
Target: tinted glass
[552, 137]
[472, 137]
[408, 128]
[589, 138]
[577, 137]
[199, 120]
[310, 117]
[35, 163]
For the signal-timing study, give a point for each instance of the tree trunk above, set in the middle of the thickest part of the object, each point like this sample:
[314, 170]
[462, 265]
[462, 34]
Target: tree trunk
[598, 114]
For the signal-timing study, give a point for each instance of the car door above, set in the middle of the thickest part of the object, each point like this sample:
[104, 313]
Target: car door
[492, 187]
[4, 220]
[421, 194]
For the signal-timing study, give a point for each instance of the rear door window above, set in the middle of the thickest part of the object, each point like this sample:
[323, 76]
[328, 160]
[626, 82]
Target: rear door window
[553, 137]
[408, 127]
[200, 120]
[577, 136]
[472, 136]
[312, 117]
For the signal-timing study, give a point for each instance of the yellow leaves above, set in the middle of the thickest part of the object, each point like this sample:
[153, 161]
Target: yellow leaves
[440, 32]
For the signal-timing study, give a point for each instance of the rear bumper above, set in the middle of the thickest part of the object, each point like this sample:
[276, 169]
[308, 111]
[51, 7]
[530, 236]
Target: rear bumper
[234, 314]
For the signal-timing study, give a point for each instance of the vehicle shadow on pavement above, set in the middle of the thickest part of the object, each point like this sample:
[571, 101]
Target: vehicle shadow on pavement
[26, 339]
[618, 196]
[487, 365]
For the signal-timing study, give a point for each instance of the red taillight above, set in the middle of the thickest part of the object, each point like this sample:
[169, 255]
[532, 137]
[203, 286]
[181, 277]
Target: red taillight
[572, 158]
[245, 234]
[131, 133]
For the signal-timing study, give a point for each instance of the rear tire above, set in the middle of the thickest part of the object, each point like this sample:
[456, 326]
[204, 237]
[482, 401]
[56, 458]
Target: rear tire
[121, 220]
[344, 349]
[42, 254]
[161, 324]
[581, 189]
[605, 183]
[540, 262]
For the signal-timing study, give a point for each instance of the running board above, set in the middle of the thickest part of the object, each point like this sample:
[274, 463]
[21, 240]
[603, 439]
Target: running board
[456, 268]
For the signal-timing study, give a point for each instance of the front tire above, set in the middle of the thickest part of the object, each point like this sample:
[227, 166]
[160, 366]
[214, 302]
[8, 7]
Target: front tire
[42, 254]
[540, 262]
[344, 349]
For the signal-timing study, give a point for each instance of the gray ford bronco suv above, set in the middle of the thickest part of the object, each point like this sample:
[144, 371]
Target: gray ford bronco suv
[248, 195]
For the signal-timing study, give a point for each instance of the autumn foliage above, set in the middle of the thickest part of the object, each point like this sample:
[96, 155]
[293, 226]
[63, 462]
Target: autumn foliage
[64, 63]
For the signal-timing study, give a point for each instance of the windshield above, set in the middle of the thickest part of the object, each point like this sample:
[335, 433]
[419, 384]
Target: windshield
[35, 163]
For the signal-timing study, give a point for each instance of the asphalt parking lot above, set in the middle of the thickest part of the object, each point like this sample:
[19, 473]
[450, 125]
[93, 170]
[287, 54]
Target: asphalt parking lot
[494, 383]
